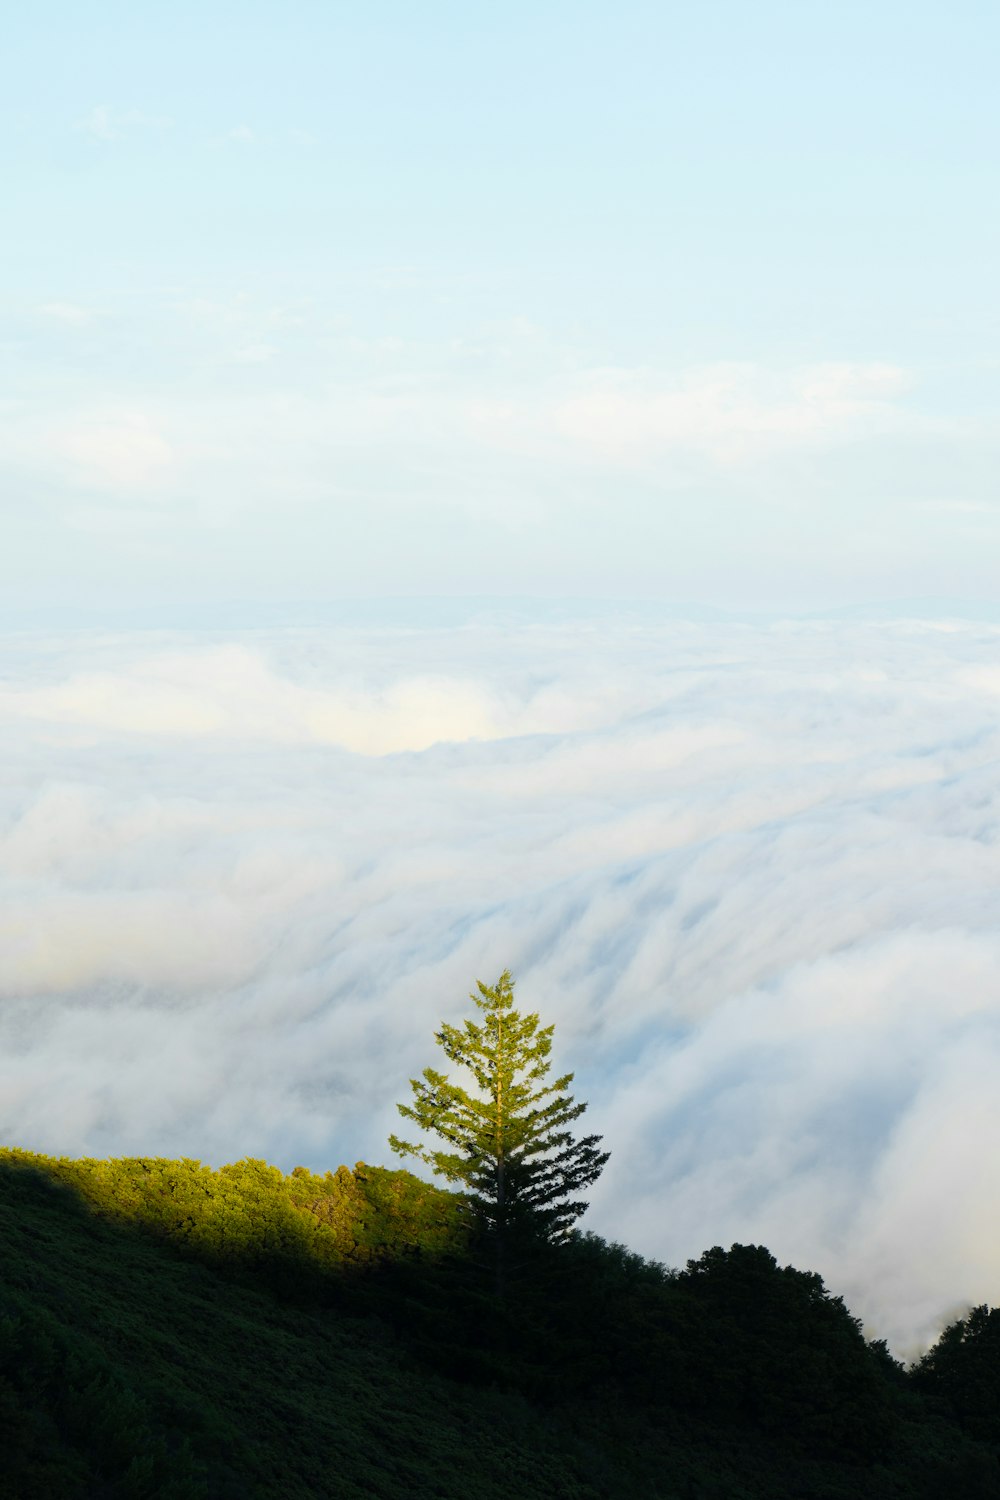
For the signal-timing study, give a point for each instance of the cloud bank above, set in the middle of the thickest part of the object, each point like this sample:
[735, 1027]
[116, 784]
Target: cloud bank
[750, 871]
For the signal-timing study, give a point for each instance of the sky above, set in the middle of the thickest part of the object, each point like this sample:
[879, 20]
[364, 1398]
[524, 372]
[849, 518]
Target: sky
[513, 487]
[690, 303]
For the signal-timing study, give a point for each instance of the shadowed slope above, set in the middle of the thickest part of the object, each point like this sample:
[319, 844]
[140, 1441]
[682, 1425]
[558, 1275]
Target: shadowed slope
[166, 1330]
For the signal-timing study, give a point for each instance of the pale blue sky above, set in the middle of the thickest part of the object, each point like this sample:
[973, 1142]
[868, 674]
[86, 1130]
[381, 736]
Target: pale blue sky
[315, 300]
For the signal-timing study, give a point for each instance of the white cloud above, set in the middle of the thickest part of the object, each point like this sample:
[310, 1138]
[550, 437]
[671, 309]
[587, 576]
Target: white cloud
[729, 411]
[115, 449]
[750, 872]
[68, 312]
[254, 354]
[316, 438]
[231, 693]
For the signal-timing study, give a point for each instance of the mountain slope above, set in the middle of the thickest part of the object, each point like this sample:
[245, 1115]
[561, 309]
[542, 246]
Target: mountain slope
[137, 1361]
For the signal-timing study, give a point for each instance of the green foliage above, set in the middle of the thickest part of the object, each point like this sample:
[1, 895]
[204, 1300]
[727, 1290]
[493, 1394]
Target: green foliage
[300, 1233]
[170, 1330]
[128, 1371]
[509, 1143]
[962, 1371]
[773, 1347]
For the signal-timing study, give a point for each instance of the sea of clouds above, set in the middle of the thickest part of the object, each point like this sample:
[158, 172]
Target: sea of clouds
[750, 870]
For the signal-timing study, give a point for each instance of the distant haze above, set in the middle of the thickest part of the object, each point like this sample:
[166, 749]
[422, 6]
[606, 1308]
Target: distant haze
[750, 870]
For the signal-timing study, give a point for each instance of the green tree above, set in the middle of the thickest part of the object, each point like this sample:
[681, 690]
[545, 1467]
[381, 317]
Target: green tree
[963, 1369]
[508, 1141]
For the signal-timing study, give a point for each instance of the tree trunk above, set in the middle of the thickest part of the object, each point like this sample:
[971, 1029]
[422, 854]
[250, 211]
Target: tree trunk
[501, 1229]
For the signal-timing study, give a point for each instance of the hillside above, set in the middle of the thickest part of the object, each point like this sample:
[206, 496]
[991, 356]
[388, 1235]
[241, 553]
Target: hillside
[167, 1330]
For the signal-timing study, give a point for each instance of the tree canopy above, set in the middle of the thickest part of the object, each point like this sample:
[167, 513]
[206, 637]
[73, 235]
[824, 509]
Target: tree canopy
[507, 1140]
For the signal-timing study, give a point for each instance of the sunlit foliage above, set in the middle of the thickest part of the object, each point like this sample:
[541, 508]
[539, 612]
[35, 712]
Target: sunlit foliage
[507, 1140]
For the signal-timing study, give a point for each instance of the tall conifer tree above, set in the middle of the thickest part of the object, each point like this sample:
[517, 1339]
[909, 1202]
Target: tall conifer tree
[508, 1141]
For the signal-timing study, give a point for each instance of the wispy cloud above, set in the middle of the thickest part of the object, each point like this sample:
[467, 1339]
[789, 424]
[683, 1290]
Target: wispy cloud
[957, 507]
[70, 313]
[113, 450]
[730, 412]
[103, 123]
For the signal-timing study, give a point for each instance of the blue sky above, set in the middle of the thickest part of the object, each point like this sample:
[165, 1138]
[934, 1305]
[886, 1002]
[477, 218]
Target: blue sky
[316, 300]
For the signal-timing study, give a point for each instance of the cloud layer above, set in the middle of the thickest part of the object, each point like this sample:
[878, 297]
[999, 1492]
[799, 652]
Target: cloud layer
[185, 420]
[750, 871]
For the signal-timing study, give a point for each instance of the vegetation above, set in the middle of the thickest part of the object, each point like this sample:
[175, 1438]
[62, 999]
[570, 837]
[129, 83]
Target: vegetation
[170, 1330]
[509, 1144]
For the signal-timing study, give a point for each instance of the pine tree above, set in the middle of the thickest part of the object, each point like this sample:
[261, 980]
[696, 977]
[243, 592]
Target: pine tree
[509, 1142]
